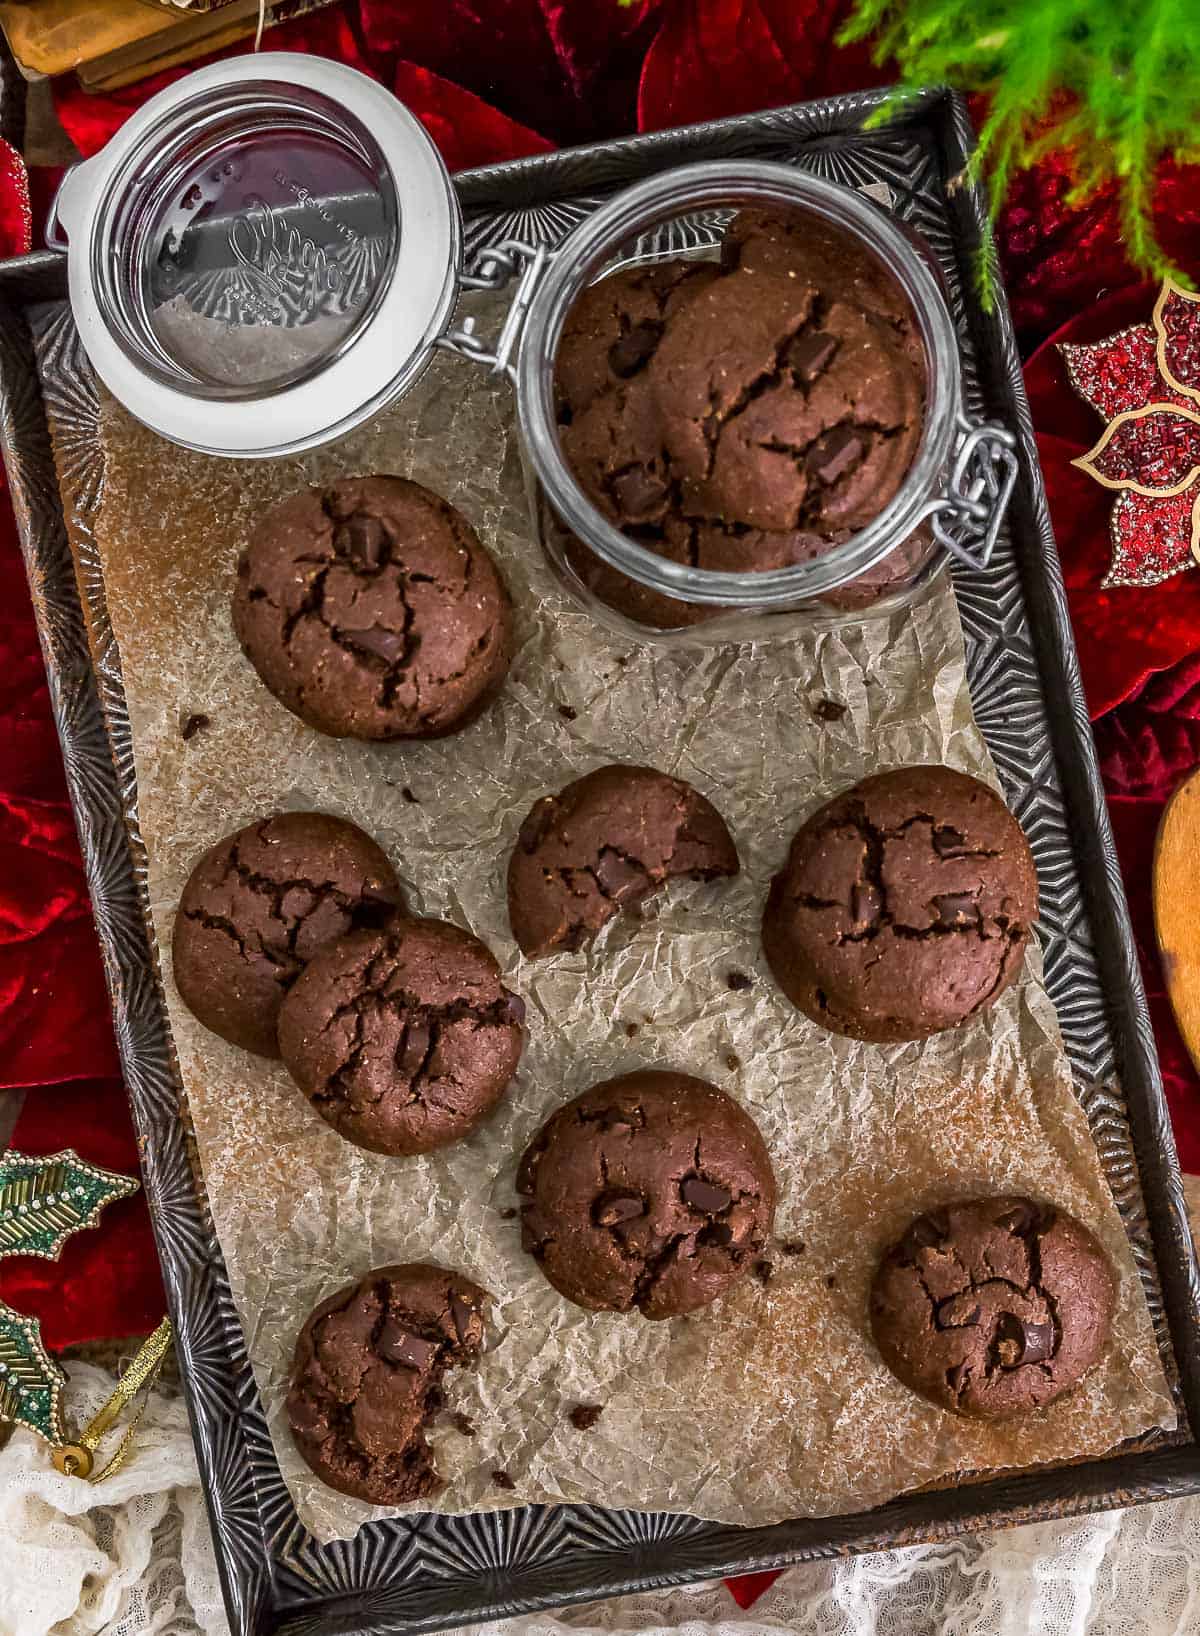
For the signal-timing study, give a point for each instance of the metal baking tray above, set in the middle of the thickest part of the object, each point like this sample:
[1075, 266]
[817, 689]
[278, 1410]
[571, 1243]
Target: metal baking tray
[428, 1572]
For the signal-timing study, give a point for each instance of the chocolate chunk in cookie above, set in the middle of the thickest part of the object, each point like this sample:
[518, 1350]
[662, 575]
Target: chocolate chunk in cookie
[603, 844]
[403, 1039]
[259, 905]
[612, 330]
[992, 1307]
[371, 610]
[652, 1191]
[904, 906]
[367, 1378]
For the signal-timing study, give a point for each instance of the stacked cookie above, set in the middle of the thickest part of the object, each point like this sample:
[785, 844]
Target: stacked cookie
[741, 415]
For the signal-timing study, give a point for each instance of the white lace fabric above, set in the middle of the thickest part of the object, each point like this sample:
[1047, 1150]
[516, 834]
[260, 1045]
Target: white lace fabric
[132, 1556]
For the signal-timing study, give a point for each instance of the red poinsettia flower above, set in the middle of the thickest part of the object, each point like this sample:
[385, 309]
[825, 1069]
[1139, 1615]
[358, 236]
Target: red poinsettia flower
[1145, 381]
[1155, 450]
[1177, 328]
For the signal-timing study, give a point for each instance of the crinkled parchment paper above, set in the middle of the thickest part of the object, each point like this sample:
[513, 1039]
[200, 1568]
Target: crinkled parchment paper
[773, 1403]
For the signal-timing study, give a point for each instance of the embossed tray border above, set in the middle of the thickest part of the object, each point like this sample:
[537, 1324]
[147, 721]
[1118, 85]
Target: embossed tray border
[427, 1572]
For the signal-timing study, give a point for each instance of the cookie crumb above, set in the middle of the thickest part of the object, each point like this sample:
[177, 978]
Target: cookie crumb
[193, 725]
[763, 1271]
[503, 1480]
[738, 981]
[463, 1423]
[409, 796]
[585, 1415]
[732, 1062]
[567, 713]
[831, 1281]
[829, 710]
[792, 1246]
[631, 1029]
[507, 1215]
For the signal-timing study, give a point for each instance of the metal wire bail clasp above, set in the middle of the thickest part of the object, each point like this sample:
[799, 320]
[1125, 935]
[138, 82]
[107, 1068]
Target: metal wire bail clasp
[497, 267]
[967, 518]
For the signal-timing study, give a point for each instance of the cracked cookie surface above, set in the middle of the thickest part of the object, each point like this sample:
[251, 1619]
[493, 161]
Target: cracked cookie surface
[650, 1192]
[993, 1307]
[367, 1378]
[371, 610]
[765, 240]
[402, 1039]
[257, 907]
[603, 844]
[904, 906]
[741, 417]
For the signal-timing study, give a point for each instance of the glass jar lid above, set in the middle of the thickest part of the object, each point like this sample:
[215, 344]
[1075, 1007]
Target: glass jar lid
[264, 255]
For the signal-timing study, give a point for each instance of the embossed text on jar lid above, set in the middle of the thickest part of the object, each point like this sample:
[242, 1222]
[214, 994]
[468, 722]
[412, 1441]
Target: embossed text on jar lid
[261, 249]
[263, 256]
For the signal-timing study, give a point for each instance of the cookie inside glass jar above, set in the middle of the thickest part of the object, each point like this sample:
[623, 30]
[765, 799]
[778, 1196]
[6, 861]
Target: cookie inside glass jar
[745, 414]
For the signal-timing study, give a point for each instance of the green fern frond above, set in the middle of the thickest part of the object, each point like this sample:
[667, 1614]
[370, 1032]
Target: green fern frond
[1115, 83]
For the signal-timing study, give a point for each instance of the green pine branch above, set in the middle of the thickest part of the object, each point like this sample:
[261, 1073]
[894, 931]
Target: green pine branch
[1114, 82]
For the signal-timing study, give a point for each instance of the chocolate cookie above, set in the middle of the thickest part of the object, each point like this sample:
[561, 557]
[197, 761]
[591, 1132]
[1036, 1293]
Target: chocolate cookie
[769, 239]
[403, 1039]
[904, 906]
[614, 326]
[604, 843]
[371, 610]
[653, 1190]
[744, 417]
[367, 1378]
[992, 1307]
[782, 406]
[259, 905]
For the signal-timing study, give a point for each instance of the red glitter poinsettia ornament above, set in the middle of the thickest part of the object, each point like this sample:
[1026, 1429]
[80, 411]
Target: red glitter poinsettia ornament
[1145, 381]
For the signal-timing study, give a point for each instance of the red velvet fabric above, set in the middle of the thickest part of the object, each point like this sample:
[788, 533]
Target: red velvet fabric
[1060, 261]
[106, 1282]
[711, 58]
[747, 1589]
[494, 79]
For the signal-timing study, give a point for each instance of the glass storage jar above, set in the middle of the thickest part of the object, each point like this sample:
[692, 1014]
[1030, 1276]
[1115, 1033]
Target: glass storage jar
[268, 252]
